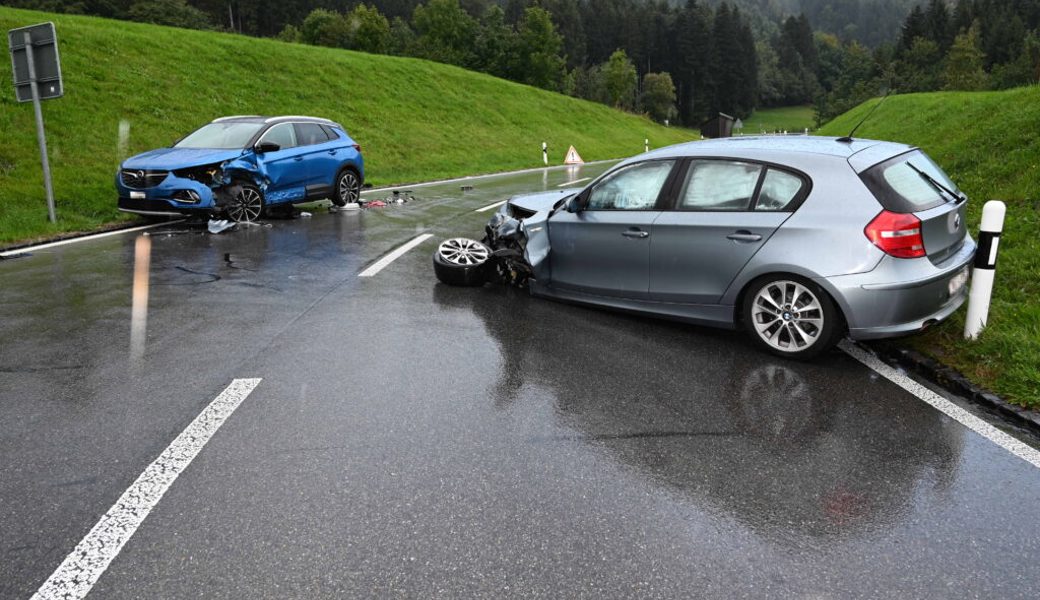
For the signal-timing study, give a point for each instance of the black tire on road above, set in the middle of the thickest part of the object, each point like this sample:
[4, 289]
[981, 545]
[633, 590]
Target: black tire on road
[347, 188]
[247, 203]
[791, 316]
[462, 262]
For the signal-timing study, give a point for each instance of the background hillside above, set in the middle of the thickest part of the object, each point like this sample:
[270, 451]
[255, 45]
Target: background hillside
[415, 119]
[989, 143]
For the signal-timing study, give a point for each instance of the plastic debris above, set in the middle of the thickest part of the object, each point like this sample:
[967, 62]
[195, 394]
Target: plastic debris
[220, 226]
[467, 188]
[375, 204]
[305, 214]
[345, 207]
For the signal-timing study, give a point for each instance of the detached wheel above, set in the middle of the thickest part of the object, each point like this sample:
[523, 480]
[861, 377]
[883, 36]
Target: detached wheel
[348, 188]
[791, 317]
[462, 261]
[247, 203]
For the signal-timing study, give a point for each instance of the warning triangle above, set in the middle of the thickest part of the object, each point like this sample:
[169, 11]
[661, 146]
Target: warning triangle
[573, 158]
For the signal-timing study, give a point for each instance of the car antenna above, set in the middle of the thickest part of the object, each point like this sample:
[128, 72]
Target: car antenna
[848, 139]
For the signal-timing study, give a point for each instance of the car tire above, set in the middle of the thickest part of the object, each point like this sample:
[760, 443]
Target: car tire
[462, 262]
[347, 188]
[246, 204]
[791, 316]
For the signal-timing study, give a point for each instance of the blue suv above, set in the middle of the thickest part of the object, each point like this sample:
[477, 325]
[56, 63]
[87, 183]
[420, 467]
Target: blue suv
[241, 166]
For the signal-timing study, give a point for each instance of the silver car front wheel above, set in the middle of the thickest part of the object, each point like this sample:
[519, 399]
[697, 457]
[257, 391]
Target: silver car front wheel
[790, 317]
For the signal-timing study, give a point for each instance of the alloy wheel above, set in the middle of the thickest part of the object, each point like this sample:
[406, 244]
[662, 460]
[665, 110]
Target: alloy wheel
[246, 206]
[348, 188]
[787, 315]
[463, 251]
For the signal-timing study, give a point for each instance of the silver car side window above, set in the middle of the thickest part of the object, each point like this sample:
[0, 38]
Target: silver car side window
[778, 190]
[635, 187]
[282, 134]
[719, 185]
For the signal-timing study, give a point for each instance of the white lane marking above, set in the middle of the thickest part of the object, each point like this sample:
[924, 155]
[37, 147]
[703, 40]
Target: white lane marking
[484, 176]
[85, 238]
[566, 183]
[382, 263]
[81, 569]
[490, 206]
[998, 437]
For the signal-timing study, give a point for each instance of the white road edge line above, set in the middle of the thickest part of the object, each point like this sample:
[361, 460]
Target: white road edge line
[490, 206]
[85, 238]
[979, 426]
[566, 183]
[82, 568]
[382, 263]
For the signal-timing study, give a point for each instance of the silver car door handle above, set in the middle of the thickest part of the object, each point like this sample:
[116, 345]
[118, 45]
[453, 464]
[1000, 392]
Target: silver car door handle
[744, 236]
[635, 233]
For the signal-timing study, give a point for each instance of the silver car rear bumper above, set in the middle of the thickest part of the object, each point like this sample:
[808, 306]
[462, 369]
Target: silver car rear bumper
[901, 297]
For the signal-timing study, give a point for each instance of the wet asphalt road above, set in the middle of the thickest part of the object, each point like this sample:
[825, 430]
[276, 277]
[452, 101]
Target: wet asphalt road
[414, 440]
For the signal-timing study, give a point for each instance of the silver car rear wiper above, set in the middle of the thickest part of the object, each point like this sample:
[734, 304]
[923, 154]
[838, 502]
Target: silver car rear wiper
[944, 191]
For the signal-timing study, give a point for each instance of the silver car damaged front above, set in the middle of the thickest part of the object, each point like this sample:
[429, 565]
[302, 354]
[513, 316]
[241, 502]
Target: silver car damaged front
[533, 212]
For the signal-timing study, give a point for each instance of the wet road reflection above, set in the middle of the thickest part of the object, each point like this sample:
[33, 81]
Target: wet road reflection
[788, 449]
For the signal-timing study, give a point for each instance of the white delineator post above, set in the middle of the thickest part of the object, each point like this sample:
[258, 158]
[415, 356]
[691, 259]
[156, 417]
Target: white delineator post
[984, 268]
[646, 144]
[545, 153]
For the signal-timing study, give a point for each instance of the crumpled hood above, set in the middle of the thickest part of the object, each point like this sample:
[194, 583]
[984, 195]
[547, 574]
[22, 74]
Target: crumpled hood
[169, 159]
[542, 200]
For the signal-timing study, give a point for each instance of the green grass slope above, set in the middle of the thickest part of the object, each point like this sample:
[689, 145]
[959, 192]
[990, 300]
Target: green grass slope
[989, 143]
[416, 120]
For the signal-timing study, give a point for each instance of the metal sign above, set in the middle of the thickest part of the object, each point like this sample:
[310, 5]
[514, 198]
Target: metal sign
[37, 76]
[42, 62]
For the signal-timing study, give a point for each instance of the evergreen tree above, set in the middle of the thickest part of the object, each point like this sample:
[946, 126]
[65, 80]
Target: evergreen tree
[964, 63]
[370, 31]
[444, 32]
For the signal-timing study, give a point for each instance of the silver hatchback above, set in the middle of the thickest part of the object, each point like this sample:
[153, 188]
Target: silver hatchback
[797, 240]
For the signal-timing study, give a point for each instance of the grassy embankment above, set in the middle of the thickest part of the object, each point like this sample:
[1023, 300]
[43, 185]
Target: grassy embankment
[415, 120]
[989, 143]
[793, 119]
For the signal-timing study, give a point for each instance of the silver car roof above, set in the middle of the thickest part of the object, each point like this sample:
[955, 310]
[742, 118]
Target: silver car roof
[799, 151]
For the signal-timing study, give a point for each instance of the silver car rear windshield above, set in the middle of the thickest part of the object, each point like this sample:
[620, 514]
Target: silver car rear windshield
[223, 136]
[900, 188]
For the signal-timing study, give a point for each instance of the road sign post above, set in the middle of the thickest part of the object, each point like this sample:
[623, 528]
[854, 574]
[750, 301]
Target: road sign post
[37, 76]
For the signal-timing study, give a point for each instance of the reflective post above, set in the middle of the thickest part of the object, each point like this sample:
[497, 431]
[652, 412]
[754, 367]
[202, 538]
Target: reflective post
[646, 144]
[40, 137]
[984, 268]
[545, 153]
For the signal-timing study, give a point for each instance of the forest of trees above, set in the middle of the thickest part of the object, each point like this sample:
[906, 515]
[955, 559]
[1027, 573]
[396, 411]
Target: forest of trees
[676, 62]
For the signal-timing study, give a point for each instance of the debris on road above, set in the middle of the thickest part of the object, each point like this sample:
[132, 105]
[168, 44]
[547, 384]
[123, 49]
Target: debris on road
[305, 214]
[220, 226]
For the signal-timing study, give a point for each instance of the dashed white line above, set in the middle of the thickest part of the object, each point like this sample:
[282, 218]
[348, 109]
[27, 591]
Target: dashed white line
[566, 183]
[382, 263]
[85, 238]
[490, 206]
[81, 569]
[998, 437]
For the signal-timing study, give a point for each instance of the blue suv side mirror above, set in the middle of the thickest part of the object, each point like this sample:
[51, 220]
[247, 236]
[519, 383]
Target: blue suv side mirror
[263, 147]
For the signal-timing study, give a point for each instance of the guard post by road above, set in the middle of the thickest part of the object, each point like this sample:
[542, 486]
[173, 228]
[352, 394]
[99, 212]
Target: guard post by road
[37, 76]
[984, 268]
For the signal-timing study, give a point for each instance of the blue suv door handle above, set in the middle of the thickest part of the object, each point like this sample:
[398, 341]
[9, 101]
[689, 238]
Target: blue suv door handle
[297, 158]
[332, 152]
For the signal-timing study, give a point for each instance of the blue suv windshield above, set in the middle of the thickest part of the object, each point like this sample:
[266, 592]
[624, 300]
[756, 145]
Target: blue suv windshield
[221, 136]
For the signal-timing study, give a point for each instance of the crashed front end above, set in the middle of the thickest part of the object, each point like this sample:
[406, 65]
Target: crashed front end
[518, 235]
[204, 189]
